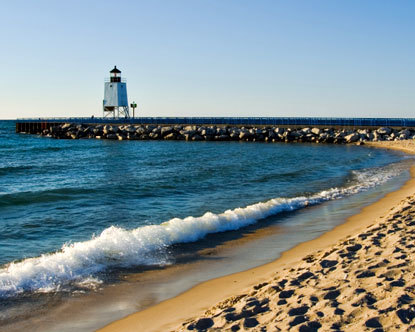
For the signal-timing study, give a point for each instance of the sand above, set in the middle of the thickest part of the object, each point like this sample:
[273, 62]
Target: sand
[356, 277]
[407, 146]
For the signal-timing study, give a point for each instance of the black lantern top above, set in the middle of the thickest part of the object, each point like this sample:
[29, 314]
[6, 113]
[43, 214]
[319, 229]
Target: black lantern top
[115, 77]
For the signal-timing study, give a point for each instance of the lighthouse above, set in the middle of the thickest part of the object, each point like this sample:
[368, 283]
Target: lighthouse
[115, 103]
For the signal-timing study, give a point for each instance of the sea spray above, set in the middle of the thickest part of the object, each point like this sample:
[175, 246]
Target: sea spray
[79, 263]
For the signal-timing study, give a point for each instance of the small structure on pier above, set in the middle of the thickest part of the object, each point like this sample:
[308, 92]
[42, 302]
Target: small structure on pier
[115, 103]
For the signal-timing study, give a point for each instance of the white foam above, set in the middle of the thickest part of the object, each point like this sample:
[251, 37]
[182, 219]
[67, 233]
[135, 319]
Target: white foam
[78, 263]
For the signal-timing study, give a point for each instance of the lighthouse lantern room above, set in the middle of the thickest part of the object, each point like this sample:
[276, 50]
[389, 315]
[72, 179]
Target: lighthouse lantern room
[115, 103]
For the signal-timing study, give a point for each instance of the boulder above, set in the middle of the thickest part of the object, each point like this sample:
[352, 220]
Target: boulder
[66, 126]
[197, 138]
[166, 131]
[244, 135]
[140, 130]
[234, 135]
[208, 132]
[279, 131]
[129, 129]
[114, 129]
[170, 136]
[354, 137]
[106, 129]
[404, 134]
[189, 133]
[316, 131]
[384, 131]
[222, 138]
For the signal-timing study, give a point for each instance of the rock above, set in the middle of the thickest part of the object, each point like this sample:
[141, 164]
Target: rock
[225, 133]
[66, 126]
[278, 131]
[354, 137]
[221, 131]
[112, 136]
[197, 138]
[384, 131]
[156, 130]
[295, 134]
[188, 132]
[166, 131]
[404, 134]
[170, 136]
[316, 131]
[244, 135]
[106, 129]
[129, 129]
[234, 135]
[221, 138]
[208, 132]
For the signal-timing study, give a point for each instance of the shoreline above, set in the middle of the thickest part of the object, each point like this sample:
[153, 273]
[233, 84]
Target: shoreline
[198, 299]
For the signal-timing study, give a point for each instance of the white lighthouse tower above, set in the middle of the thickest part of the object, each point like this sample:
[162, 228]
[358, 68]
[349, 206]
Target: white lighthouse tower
[115, 101]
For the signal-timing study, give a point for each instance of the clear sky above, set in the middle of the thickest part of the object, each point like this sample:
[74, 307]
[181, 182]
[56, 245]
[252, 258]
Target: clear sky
[210, 58]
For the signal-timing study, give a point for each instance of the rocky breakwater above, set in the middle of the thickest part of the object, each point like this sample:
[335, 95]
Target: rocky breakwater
[227, 133]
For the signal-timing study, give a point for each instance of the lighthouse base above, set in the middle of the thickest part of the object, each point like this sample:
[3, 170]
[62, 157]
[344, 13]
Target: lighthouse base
[116, 112]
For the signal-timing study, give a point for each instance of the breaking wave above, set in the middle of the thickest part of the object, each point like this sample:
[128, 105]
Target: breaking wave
[81, 263]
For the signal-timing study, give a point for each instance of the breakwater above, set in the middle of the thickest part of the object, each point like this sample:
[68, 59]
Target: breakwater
[222, 133]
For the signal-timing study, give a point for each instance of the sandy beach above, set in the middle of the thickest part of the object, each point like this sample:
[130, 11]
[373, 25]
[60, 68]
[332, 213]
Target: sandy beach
[356, 277]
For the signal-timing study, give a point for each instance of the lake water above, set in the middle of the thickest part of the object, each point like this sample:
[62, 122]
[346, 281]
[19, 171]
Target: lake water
[74, 214]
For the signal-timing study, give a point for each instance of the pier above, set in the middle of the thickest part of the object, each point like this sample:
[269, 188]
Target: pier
[37, 125]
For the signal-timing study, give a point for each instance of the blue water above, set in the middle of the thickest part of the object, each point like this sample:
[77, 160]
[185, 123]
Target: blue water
[85, 204]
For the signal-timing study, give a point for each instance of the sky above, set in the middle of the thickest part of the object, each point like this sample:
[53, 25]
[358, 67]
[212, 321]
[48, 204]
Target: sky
[317, 58]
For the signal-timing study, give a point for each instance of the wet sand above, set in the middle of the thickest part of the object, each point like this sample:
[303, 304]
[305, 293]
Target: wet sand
[356, 277]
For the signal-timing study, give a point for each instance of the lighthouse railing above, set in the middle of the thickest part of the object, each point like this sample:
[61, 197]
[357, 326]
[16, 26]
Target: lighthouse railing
[108, 79]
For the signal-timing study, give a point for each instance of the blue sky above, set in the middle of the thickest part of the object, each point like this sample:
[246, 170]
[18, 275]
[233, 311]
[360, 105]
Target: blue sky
[210, 58]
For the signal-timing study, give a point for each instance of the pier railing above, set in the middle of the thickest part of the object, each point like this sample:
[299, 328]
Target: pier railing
[238, 121]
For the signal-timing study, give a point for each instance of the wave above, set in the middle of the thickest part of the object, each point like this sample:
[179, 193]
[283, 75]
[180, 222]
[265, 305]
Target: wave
[81, 262]
[45, 196]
